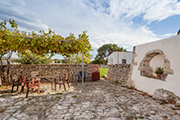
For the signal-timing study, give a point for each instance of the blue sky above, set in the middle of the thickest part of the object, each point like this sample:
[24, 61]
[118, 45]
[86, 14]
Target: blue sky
[122, 22]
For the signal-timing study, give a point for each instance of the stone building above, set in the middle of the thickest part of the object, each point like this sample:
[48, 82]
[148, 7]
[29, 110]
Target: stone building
[120, 58]
[147, 57]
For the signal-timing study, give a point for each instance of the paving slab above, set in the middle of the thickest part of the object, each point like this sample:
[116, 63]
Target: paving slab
[100, 100]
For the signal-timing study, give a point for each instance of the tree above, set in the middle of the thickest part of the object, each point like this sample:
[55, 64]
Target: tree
[57, 61]
[8, 43]
[86, 47]
[73, 59]
[104, 51]
[33, 59]
[42, 43]
[65, 60]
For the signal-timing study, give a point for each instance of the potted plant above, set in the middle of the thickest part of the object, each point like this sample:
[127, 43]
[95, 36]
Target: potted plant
[159, 71]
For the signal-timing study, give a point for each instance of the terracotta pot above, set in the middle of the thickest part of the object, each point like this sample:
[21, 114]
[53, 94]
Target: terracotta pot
[159, 75]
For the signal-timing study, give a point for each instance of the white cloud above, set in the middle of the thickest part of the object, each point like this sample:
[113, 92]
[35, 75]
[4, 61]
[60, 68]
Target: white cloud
[25, 19]
[150, 9]
[107, 21]
[162, 9]
[168, 35]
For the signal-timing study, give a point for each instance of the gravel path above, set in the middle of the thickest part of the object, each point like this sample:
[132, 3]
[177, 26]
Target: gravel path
[100, 100]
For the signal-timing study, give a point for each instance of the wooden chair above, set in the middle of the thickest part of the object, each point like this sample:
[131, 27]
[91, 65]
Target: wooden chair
[23, 80]
[15, 81]
[60, 81]
[31, 83]
[67, 79]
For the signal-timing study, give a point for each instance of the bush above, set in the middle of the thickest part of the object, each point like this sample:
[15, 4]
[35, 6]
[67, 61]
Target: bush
[34, 59]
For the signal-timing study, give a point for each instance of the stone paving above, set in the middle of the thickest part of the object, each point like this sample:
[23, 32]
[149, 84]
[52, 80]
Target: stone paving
[100, 100]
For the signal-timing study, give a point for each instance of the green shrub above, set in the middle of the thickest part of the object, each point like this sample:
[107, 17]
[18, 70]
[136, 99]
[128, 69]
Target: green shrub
[33, 59]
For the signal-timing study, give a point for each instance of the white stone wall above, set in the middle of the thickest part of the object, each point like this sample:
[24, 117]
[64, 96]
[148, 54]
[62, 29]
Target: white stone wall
[116, 58]
[170, 48]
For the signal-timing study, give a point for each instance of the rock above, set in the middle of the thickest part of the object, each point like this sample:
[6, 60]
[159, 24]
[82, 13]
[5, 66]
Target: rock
[164, 95]
[178, 103]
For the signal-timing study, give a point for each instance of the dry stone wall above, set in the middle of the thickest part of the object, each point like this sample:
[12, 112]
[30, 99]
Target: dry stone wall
[119, 72]
[52, 69]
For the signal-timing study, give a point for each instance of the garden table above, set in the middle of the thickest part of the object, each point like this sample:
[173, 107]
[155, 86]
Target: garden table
[47, 78]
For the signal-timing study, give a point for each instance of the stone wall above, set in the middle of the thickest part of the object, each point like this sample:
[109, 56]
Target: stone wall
[52, 69]
[119, 72]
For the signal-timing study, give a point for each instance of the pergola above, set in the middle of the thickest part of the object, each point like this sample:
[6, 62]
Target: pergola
[42, 43]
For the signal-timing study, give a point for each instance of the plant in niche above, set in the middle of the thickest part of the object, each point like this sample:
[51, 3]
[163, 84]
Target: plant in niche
[159, 71]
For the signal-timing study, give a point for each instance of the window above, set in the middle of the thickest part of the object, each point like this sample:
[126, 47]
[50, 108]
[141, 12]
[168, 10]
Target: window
[123, 61]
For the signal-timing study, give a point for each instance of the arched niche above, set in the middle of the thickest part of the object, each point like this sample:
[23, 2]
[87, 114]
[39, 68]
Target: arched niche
[154, 55]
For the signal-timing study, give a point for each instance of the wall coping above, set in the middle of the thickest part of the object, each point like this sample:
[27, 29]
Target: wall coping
[49, 64]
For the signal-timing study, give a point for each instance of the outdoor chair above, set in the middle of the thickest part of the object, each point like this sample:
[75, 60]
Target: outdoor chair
[32, 83]
[80, 76]
[61, 81]
[23, 80]
[15, 81]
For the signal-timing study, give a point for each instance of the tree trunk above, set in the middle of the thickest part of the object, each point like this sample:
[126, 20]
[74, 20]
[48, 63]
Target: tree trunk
[69, 59]
[2, 72]
[8, 67]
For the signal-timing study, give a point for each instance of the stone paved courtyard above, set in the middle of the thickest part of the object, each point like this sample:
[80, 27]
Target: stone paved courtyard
[100, 100]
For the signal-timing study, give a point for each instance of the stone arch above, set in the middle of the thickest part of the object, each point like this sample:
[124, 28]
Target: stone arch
[145, 68]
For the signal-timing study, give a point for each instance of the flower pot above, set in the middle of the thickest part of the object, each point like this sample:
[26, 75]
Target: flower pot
[158, 75]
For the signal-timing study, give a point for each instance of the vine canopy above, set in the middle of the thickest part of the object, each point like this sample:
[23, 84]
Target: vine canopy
[41, 43]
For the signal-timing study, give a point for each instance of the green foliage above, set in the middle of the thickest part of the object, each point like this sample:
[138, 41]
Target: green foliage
[159, 70]
[34, 59]
[74, 96]
[59, 93]
[103, 71]
[73, 58]
[141, 117]
[57, 61]
[99, 61]
[15, 60]
[104, 51]
[41, 43]
[87, 58]
[116, 81]
[66, 60]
